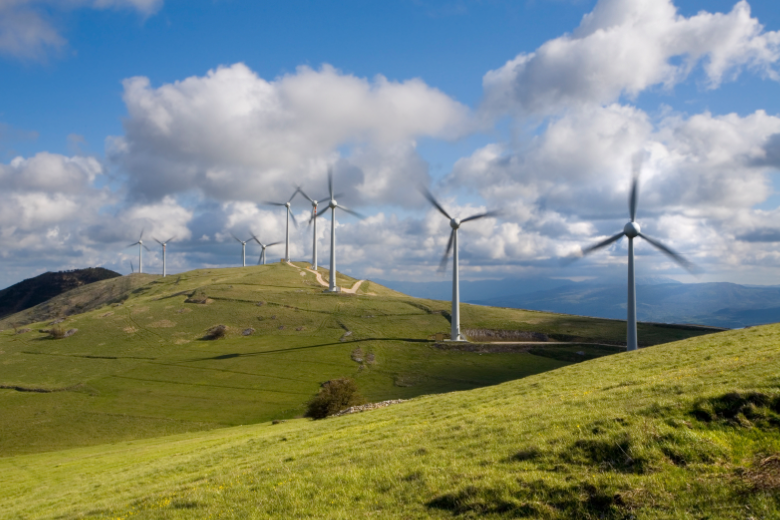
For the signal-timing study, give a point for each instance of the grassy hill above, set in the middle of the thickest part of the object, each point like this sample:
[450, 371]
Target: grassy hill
[142, 368]
[684, 430]
[46, 286]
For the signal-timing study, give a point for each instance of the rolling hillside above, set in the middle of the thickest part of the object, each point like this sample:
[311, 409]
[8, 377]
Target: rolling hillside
[46, 286]
[142, 367]
[683, 430]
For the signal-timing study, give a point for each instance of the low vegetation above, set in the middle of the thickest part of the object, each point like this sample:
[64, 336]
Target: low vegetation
[334, 396]
[141, 367]
[683, 430]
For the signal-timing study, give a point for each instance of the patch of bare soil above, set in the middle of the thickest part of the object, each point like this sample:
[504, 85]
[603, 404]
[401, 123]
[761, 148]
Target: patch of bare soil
[181, 341]
[106, 315]
[139, 310]
[504, 335]
[765, 476]
[162, 324]
[183, 311]
[130, 330]
[367, 407]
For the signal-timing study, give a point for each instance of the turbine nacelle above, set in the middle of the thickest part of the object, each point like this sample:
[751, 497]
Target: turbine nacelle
[333, 204]
[632, 230]
[455, 223]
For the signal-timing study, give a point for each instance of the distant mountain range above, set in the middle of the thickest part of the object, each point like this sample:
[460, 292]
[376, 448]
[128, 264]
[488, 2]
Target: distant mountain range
[29, 293]
[659, 299]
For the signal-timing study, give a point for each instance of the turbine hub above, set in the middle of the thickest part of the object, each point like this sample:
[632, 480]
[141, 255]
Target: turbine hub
[455, 223]
[333, 203]
[632, 229]
[287, 204]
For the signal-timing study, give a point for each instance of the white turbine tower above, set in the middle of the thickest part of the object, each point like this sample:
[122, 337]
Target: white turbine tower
[631, 231]
[333, 205]
[164, 246]
[312, 220]
[289, 215]
[452, 245]
[261, 260]
[243, 248]
[141, 247]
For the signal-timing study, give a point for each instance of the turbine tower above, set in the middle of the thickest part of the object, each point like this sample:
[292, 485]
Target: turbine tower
[452, 245]
[333, 205]
[261, 260]
[631, 231]
[141, 247]
[289, 215]
[312, 220]
[164, 244]
[243, 248]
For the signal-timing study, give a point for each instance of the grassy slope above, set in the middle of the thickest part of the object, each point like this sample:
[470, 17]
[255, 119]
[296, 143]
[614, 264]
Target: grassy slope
[615, 437]
[142, 370]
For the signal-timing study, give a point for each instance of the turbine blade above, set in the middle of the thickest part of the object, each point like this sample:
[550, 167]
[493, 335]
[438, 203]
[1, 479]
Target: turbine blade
[146, 248]
[443, 264]
[294, 194]
[142, 234]
[170, 239]
[237, 239]
[255, 238]
[481, 215]
[269, 203]
[158, 241]
[428, 195]
[632, 202]
[133, 244]
[677, 257]
[602, 244]
[358, 215]
[295, 222]
[272, 244]
[330, 182]
[305, 196]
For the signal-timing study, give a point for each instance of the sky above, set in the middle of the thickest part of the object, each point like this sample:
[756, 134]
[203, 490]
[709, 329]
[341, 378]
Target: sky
[182, 118]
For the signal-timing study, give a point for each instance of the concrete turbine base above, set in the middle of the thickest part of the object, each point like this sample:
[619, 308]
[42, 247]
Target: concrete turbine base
[336, 289]
[459, 340]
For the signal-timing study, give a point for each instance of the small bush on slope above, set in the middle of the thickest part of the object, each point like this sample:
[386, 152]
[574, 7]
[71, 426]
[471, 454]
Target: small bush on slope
[334, 396]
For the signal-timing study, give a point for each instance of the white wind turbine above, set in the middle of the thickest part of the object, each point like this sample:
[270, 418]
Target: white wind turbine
[631, 231]
[452, 245]
[332, 205]
[312, 220]
[164, 246]
[289, 215]
[243, 248]
[261, 260]
[141, 247]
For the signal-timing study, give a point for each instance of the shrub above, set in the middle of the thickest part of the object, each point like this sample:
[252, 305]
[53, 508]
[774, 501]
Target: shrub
[216, 332]
[57, 332]
[334, 395]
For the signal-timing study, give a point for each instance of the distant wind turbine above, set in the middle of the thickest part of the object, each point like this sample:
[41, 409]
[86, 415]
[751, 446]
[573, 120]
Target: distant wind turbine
[132, 269]
[631, 231]
[333, 205]
[164, 246]
[141, 247]
[243, 248]
[452, 245]
[261, 260]
[312, 221]
[289, 215]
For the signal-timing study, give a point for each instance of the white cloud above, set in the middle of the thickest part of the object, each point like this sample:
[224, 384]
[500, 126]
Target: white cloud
[232, 135]
[624, 47]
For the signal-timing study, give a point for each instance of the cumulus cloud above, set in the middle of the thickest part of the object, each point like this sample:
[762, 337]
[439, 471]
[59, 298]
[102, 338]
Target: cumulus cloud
[231, 135]
[28, 27]
[624, 47]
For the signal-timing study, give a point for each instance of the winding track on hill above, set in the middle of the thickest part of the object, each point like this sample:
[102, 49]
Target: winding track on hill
[351, 290]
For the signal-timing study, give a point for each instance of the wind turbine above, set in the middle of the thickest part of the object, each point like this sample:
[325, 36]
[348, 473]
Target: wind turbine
[631, 231]
[289, 215]
[332, 205]
[261, 260]
[452, 245]
[164, 245]
[141, 247]
[243, 248]
[312, 220]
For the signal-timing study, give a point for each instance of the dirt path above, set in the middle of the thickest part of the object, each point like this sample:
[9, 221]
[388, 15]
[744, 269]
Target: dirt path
[351, 290]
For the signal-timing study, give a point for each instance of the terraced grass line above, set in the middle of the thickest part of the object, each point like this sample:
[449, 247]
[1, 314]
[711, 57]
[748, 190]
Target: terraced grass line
[684, 430]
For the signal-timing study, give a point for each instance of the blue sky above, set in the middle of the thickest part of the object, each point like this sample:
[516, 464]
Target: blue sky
[67, 99]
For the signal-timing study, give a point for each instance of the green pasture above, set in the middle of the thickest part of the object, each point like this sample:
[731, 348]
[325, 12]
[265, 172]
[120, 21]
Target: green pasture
[684, 430]
[139, 365]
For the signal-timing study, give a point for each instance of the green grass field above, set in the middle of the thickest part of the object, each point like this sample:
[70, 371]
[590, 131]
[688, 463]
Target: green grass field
[142, 368]
[684, 430]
